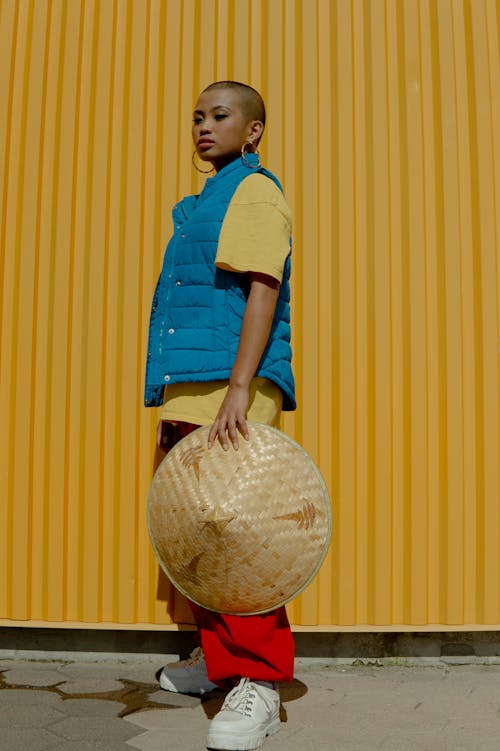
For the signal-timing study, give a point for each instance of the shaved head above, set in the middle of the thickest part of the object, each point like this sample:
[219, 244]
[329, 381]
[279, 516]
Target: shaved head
[252, 103]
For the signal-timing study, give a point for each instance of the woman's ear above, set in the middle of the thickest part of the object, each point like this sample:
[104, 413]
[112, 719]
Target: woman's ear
[255, 130]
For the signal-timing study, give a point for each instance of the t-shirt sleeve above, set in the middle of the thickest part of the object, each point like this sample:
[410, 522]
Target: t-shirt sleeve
[255, 233]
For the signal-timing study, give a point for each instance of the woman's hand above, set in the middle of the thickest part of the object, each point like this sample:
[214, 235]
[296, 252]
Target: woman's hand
[231, 418]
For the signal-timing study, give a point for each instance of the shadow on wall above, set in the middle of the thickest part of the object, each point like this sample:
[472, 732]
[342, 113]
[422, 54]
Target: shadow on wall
[316, 645]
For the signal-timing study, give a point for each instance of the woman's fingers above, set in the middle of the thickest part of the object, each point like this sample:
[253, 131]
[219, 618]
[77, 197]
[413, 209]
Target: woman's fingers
[230, 419]
[226, 432]
[212, 434]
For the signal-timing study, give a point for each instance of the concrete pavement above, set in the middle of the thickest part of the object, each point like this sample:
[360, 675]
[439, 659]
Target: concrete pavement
[117, 706]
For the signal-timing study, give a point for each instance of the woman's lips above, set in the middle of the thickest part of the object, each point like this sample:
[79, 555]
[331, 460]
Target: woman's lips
[205, 144]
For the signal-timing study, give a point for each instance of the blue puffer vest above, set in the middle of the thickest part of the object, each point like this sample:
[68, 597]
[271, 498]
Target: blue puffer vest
[198, 309]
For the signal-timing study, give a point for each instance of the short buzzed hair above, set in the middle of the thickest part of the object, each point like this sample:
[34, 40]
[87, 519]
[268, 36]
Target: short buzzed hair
[251, 101]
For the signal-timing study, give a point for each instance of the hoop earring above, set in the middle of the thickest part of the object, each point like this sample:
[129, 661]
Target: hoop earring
[203, 171]
[244, 158]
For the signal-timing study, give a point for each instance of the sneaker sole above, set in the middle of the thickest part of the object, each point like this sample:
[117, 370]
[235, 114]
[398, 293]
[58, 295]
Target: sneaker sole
[229, 742]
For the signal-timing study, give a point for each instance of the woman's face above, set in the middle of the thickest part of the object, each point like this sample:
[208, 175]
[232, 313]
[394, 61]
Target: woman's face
[220, 127]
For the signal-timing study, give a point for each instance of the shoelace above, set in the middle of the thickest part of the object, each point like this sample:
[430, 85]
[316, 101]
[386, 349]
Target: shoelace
[241, 698]
[195, 656]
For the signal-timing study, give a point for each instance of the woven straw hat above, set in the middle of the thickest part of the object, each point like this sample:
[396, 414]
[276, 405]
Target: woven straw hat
[239, 532]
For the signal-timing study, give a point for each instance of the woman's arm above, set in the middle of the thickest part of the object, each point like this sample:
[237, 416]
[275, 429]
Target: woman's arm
[255, 329]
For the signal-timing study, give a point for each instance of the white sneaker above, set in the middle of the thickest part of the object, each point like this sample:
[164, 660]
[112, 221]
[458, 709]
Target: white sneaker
[187, 676]
[249, 714]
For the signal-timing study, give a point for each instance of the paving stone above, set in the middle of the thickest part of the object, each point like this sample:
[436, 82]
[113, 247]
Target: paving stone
[21, 739]
[161, 740]
[87, 670]
[289, 742]
[174, 700]
[91, 707]
[355, 708]
[180, 722]
[12, 715]
[151, 719]
[416, 743]
[25, 697]
[91, 746]
[36, 677]
[93, 729]
[94, 685]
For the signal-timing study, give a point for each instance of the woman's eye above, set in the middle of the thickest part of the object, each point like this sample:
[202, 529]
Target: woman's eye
[220, 116]
[196, 120]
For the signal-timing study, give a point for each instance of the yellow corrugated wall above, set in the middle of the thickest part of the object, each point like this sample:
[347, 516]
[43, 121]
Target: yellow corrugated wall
[384, 123]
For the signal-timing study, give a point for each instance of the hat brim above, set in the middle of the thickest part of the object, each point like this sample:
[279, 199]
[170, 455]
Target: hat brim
[239, 532]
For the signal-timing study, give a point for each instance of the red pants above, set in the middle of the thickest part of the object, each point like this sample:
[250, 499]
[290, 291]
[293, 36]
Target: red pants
[251, 646]
[246, 646]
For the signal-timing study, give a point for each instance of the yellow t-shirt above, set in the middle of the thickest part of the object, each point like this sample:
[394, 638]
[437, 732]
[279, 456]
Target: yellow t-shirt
[255, 236]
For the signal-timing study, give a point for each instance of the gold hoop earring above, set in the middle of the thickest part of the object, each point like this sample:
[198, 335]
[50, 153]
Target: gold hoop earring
[203, 171]
[255, 151]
